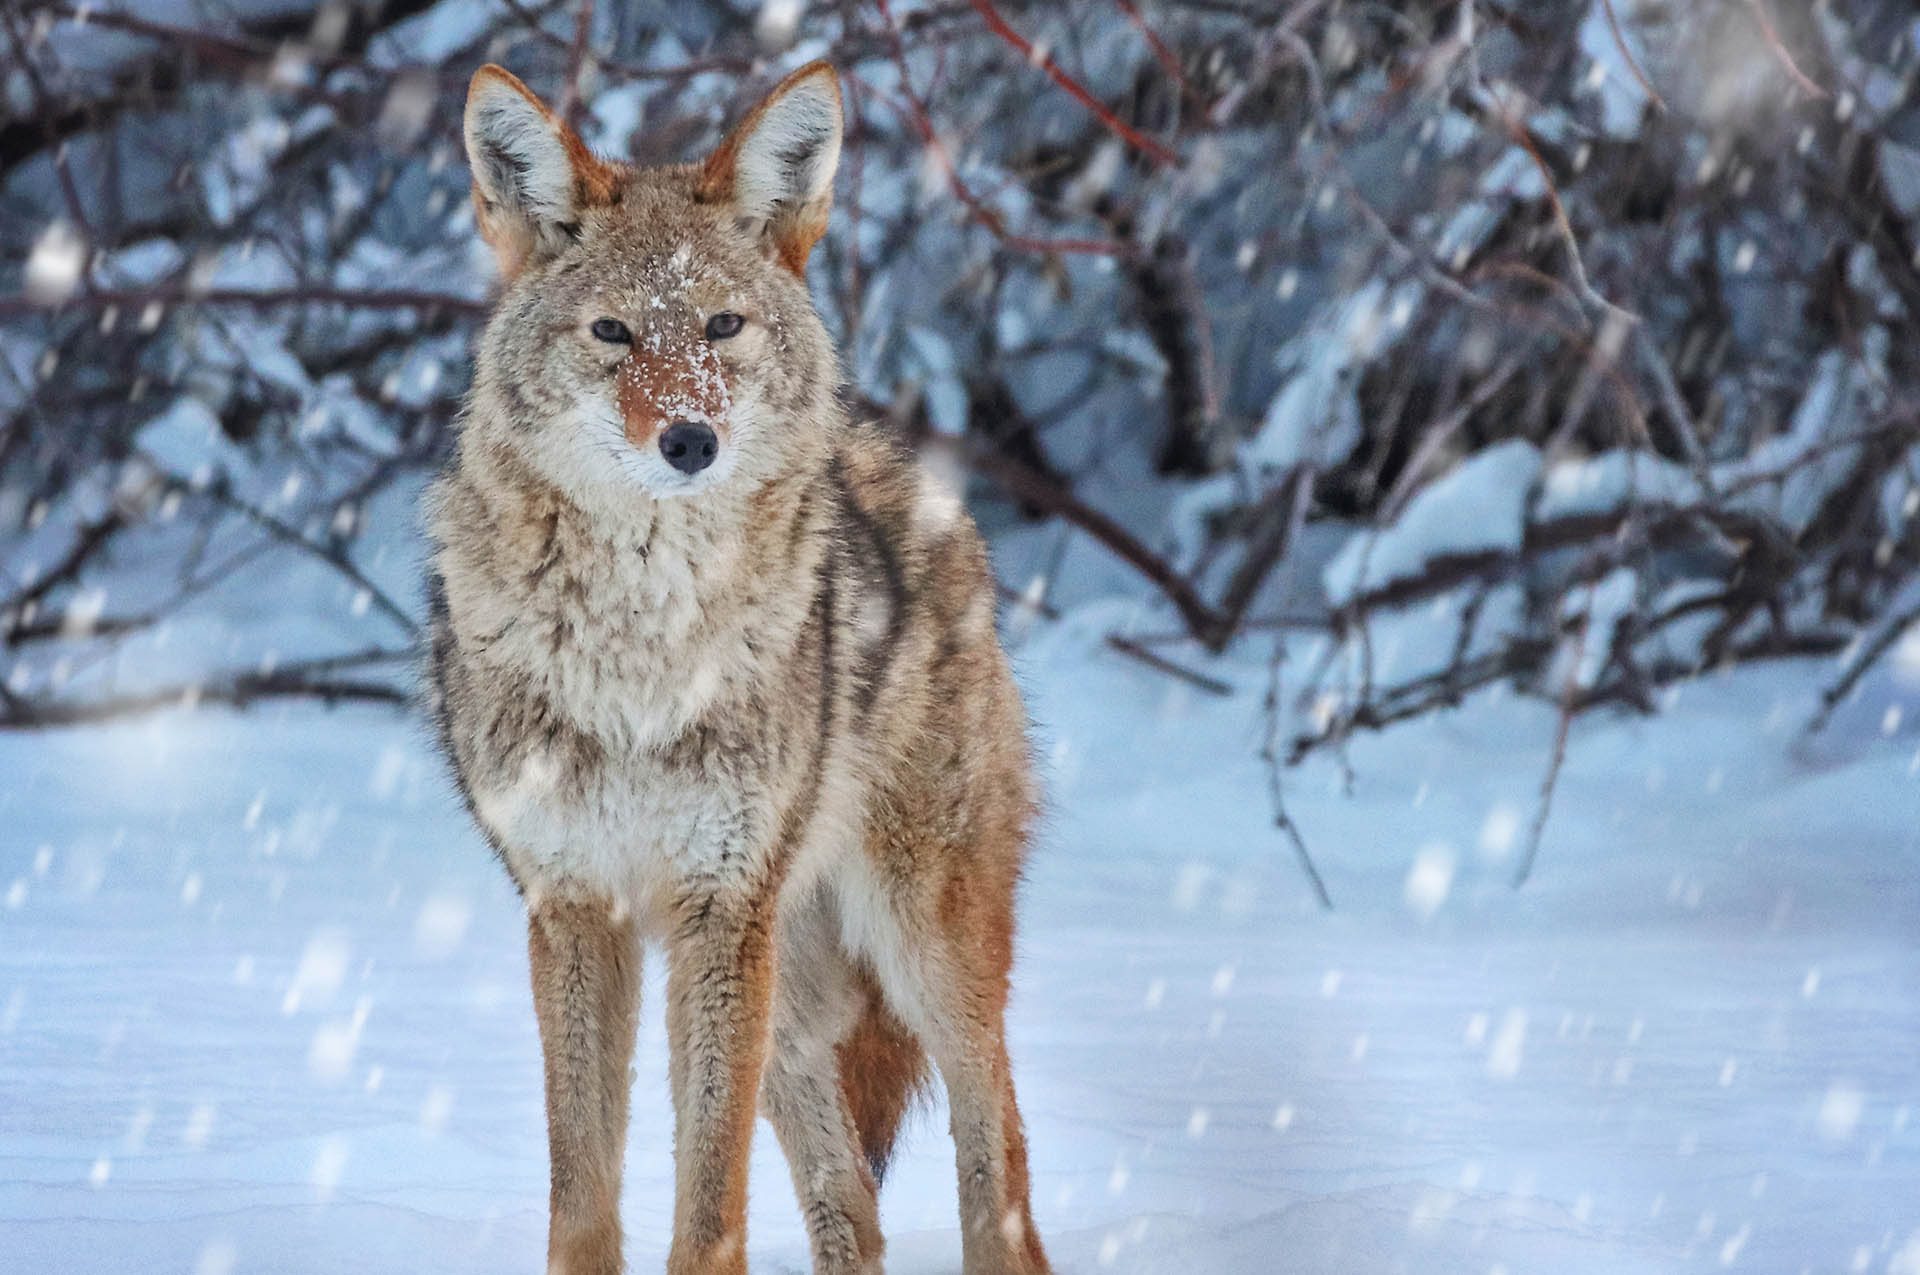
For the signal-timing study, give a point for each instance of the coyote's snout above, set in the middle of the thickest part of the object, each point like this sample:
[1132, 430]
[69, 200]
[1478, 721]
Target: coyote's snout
[716, 669]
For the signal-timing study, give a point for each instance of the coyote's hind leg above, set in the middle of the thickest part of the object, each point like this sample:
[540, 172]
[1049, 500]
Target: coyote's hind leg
[818, 1000]
[946, 978]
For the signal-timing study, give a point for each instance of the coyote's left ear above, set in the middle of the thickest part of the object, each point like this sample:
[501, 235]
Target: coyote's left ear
[776, 168]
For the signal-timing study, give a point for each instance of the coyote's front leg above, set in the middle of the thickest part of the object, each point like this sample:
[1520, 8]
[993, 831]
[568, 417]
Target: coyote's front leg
[586, 994]
[719, 989]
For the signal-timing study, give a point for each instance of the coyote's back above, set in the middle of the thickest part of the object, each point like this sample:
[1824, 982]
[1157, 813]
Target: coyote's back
[717, 668]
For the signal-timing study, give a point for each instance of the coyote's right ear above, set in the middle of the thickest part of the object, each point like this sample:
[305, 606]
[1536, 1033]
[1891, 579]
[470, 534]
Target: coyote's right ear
[532, 175]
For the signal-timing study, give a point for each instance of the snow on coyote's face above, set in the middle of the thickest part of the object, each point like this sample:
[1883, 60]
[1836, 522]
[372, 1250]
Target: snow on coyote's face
[654, 334]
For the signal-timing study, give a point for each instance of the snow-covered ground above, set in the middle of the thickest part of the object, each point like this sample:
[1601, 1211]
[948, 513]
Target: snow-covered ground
[263, 1000]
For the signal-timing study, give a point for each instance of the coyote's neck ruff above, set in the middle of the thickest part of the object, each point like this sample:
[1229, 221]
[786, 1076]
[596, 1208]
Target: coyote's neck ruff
[717, 668]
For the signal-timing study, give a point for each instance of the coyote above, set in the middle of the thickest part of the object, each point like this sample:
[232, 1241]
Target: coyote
[716, 669]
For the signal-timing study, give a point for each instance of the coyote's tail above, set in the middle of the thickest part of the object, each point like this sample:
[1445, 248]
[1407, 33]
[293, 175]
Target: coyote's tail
[883, 1070]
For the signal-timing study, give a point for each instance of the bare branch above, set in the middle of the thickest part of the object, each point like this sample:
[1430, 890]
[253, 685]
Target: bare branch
[1155, 660]
[1025, 485]
[309, 679]
[1563, 724]
[1276, 786]
[1044, 59]
[1884, 638]
[138, 299]
[1774, 42]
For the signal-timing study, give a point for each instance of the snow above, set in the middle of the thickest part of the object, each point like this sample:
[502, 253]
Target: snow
[1605, 603]
[1844, 389]
[263, 997]
[1315, 417]
[186, 437]
[431, 37]
[1609, 75]
[1419, 641]
[1612, 480]
[776, 23]
[54, 265]
[243, 170]
[946, 397]
[617, 114]
[1476, 507]
[144, 262]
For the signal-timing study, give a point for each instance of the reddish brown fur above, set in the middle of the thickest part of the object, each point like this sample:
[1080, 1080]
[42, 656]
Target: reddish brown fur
[689, 380]
[882, 1071]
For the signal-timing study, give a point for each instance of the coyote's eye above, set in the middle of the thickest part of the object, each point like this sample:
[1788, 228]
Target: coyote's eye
[612, 330]
[723, 325]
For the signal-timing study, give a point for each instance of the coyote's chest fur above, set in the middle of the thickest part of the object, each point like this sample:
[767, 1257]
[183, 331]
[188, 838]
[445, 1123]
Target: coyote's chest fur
[621, 700]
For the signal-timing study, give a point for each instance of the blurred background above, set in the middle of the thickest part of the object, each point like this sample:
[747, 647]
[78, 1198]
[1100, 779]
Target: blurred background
[1453, 471]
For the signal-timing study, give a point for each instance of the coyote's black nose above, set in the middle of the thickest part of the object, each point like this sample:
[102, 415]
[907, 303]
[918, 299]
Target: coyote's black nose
[688, 446]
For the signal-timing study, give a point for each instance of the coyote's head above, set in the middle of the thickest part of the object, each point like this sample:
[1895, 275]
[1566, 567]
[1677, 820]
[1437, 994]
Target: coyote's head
[654, 329]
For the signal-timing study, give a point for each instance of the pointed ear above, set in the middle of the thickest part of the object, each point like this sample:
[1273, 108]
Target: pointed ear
[532, 175]
[776, 168]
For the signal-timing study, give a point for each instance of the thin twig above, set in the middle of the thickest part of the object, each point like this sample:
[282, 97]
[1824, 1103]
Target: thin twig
[1780, 51]
[572, 107]
[1276, 786]
[1276, 529]
[69, 190]
[1132, 648]
[1569, 693]
[1044, 59]
[303, 680]
[1683, 423]
[1435, 435]
[1161, 53]
[1633, 64]
[914, 110]
[260, 298]
[1883, 640]
[1330, 165]
[87, 541]
[1154, 660]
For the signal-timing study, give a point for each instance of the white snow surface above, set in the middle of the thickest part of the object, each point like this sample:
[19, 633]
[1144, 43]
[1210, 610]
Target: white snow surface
[1611, 480]
[264, 1006]
[1477, 506]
